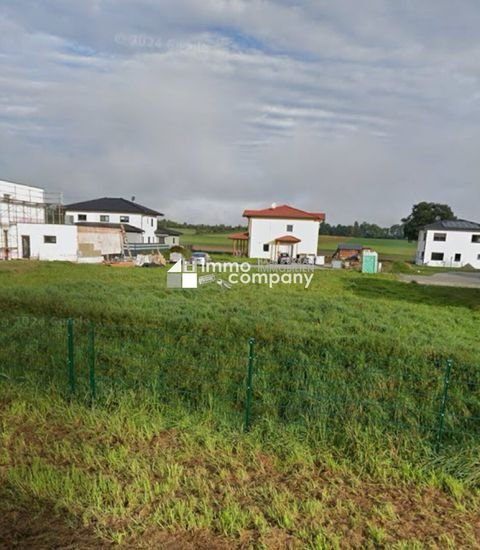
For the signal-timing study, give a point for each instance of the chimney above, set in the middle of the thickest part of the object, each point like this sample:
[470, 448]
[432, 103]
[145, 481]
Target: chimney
[274, 205]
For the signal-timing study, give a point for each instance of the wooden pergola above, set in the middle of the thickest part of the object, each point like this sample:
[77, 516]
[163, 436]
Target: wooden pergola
[240, 243]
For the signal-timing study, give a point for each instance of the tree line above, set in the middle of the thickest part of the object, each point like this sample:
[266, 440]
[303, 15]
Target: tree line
[422, 214]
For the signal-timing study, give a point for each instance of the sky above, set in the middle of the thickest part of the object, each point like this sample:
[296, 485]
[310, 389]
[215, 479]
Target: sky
[203, 108]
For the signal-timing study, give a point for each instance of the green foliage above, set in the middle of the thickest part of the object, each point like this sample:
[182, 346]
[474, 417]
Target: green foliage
[423, 214]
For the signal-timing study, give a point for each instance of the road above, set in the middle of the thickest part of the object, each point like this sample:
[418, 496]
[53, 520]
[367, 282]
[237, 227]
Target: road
[459, 279]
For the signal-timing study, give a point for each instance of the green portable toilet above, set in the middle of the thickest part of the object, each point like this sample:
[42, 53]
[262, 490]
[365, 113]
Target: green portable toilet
[369, 262]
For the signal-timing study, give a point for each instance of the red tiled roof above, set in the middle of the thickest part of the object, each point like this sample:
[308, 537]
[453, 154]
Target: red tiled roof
[243, 236]
[287, 239]
[284, 211]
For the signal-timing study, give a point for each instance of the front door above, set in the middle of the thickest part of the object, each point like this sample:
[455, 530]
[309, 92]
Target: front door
[26, 246]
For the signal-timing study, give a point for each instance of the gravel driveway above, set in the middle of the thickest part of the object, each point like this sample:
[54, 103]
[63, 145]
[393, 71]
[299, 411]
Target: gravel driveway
[460, 279]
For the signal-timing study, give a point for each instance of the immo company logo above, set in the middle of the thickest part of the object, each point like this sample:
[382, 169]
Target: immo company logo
[184, 275]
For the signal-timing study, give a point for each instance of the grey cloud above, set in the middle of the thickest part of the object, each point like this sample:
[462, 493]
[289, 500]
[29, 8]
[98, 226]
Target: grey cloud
[356, 112]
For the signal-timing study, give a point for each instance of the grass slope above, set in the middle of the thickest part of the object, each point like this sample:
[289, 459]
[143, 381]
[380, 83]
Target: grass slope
[143, 470]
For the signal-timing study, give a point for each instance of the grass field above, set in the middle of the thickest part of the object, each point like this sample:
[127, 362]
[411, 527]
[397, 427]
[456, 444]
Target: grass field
[389, 249]
[148, 465]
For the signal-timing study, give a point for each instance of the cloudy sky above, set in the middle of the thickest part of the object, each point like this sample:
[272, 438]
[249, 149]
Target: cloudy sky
[201, 108]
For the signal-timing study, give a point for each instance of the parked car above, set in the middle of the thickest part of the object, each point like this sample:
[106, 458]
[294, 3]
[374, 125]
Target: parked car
[284, 258]
[200, 259]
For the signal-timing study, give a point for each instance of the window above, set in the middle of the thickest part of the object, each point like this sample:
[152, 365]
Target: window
[151, 222]
[289, 228]
[266, 247]
[475, 238]
[104, 218]
[82, 217]
[440, 237]
[458, 258]
[478, 256]
[437, 256]
[49, 239]
[124, 219]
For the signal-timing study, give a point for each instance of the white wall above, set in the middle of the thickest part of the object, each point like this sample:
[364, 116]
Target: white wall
[147, 223]
[11, 212]
[457, 242]
[64, 249]
[266, 230]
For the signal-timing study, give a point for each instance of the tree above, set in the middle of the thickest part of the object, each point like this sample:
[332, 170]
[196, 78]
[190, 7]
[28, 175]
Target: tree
[422, 214]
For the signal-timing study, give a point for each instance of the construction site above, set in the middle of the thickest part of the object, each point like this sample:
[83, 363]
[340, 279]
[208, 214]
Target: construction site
[25, 204]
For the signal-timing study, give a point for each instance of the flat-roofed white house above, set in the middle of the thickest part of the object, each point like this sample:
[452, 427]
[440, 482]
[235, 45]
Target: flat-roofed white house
[276, 230]
[449, 243]
[112, 210]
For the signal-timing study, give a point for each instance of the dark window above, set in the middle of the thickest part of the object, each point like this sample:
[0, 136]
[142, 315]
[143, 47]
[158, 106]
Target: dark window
[289, 228]
[266, 247]
[458, 257]
[475, 238]
[82, 217]
[478, 256]
[104, 218]
[124, 219]
[440, 237]
[437, 256]
[49, 239]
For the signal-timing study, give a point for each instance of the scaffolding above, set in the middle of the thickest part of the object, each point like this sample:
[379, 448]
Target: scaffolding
[25, 204]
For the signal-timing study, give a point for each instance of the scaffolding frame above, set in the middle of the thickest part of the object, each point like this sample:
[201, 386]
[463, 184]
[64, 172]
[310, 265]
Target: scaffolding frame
[25, 204]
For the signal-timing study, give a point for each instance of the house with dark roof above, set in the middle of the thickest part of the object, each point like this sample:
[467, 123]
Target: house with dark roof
[139, 222]
[449, 243]
[171, 237]
[278, 230]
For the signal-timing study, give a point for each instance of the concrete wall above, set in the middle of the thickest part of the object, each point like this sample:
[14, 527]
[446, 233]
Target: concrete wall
[99, 241]
[457, 242]
[65, 247]
[266, 230]
[147, 223]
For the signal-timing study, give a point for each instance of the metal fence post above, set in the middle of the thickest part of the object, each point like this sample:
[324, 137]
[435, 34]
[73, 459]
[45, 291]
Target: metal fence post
[249, 388]
[72, 382]
[93, 361]
[443, 404]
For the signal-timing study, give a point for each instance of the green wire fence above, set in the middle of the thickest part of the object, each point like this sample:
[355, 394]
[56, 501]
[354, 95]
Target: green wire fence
[332, 389]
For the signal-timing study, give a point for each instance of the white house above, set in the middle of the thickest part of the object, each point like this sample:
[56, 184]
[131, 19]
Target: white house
[110, 210]
[449, 243]
[168, 236]
[276, 230]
